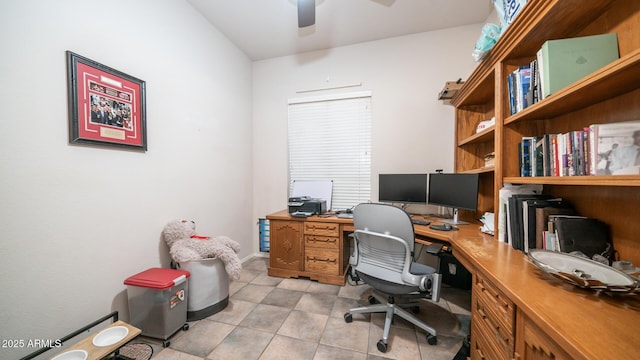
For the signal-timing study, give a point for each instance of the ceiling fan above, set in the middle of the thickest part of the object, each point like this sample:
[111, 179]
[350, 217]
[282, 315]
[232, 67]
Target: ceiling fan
[306, 13]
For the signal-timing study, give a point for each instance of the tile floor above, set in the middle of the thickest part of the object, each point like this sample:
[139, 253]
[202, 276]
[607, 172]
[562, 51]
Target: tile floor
[275, 318]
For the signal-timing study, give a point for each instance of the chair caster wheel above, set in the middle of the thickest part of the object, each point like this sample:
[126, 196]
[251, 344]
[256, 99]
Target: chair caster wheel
[185, 327]
[415, 309]
[432, 339]
[348, 317]
[382, 347]
[166, 343]
[372, 300]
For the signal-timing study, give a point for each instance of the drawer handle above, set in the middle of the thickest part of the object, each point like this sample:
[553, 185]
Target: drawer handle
[322, 227]
[326, 240]
[482, 313]
[327, 260]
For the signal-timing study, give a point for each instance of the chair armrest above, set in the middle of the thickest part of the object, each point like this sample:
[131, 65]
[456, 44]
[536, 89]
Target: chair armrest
[434, 249]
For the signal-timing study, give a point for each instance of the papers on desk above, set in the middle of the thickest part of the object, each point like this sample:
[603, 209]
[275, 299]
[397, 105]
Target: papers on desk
[487, 223]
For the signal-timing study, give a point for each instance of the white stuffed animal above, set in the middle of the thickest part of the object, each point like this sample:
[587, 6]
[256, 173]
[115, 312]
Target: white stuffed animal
[185, 245]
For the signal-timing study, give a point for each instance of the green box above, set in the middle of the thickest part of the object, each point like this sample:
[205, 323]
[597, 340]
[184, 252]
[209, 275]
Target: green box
[563, 62]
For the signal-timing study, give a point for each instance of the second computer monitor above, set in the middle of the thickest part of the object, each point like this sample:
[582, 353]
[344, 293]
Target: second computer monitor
[457, 191]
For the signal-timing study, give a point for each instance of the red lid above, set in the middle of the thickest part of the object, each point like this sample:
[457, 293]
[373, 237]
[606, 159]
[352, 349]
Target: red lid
[158, 278]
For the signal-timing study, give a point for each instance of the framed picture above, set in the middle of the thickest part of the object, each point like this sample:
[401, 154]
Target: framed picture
[106, 106]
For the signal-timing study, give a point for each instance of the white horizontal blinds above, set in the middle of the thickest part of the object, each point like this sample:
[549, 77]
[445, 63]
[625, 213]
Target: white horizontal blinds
[330, 139]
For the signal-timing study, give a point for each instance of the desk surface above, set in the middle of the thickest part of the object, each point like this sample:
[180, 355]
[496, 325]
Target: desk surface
[586, 324]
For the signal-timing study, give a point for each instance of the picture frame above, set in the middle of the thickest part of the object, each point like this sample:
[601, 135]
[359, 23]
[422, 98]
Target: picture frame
[106, 107]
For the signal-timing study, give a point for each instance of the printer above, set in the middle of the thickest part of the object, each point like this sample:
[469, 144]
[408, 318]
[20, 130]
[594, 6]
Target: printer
[304, 206]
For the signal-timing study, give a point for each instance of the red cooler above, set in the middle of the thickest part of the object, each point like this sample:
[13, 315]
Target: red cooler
[158, 302]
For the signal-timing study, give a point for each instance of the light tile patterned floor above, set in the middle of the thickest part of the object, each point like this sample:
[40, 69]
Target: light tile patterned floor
[275, 318]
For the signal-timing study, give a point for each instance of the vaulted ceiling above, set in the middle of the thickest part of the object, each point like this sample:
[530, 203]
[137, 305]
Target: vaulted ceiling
[264, 29]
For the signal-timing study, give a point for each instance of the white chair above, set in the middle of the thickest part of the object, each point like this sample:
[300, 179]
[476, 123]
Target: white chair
[383, 259]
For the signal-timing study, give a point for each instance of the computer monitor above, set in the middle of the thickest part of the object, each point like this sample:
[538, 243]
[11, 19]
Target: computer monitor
[402, 188]
[457, 191]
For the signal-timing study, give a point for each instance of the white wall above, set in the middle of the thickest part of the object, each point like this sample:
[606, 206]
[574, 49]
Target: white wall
[412, 129]
[76, 221]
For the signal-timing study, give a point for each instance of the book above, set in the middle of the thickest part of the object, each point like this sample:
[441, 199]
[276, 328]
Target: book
[518, 85]
[586, 235]
[516, 209]
[505, 193]
[532, 226]
[527, 149]
[614, 148]
[565, 61]
[537, 166]
[542, 214]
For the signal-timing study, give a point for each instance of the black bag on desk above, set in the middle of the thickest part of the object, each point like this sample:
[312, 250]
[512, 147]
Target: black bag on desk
[587, 235]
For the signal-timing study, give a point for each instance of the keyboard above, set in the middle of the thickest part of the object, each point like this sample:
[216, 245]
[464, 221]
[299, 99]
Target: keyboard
[345, 215]
[420, 222]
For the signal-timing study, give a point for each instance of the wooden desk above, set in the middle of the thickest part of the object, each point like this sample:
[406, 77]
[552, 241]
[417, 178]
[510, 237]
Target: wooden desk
[517, 312]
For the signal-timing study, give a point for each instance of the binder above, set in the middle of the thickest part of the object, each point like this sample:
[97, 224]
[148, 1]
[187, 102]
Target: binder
[587, 235]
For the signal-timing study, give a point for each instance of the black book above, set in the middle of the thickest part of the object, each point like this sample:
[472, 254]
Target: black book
[587, 235]
[533, 226]
[516, 214]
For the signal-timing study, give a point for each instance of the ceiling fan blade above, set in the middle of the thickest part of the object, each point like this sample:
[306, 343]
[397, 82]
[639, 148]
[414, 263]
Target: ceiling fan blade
[306, 13]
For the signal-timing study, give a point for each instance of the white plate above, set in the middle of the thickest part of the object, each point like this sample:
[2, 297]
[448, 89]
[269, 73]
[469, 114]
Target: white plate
[582, 272]
[72, 355]
[110, 336]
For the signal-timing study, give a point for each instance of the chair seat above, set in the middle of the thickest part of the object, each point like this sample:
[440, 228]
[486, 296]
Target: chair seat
[421, 269]
[396, 289]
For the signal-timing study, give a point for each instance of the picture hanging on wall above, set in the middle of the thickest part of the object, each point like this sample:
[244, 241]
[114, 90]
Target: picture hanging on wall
[106, 106]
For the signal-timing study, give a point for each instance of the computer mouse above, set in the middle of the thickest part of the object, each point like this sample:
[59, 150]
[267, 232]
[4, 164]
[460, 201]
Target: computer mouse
[447, 226]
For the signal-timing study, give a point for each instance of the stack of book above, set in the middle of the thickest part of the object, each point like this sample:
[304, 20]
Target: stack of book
[528, 216]
[599, 149]
[540, 221]
[559, 63]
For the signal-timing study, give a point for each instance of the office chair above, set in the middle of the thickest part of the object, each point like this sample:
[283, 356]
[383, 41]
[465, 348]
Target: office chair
[383, 259]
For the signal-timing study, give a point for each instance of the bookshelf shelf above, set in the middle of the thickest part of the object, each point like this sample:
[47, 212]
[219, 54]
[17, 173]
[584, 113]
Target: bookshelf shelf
[482, 170]
[614, 180]
[615, 79]
[483, 136]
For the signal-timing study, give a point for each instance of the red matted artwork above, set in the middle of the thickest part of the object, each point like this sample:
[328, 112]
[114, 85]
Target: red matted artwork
[106, 106]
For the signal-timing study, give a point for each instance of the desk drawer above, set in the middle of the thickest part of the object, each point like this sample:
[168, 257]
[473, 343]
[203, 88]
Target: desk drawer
[494, 304]
[322, 261]
[319, 241]
[500, 339]
[320, 228]
[482, 347]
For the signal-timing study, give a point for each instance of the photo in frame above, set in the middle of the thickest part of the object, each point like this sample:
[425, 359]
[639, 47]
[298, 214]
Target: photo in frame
[106, 107]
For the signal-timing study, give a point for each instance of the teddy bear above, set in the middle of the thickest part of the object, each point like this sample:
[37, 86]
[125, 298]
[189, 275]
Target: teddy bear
[185, 245]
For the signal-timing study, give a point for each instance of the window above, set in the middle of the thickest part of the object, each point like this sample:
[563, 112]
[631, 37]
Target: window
[330, 139]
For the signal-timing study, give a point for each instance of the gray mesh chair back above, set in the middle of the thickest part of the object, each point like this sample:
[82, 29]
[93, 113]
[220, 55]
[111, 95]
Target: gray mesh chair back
[383, 259]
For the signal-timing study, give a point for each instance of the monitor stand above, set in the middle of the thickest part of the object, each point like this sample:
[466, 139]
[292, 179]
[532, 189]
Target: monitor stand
[455, 220]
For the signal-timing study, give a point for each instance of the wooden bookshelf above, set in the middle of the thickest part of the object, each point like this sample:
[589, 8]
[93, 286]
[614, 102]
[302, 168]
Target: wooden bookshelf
[610, 94]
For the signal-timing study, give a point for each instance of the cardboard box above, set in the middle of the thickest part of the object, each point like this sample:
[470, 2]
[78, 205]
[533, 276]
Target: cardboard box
[450, 89]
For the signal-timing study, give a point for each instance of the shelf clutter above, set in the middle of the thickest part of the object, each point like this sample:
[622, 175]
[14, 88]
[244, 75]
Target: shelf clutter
[450, 89]
[559, 63]
[599, 149]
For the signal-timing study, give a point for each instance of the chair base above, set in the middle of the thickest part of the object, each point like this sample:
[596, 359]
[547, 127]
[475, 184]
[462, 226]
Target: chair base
[391, 308]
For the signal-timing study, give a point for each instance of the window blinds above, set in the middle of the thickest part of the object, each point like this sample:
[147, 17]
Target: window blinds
[330, 139]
